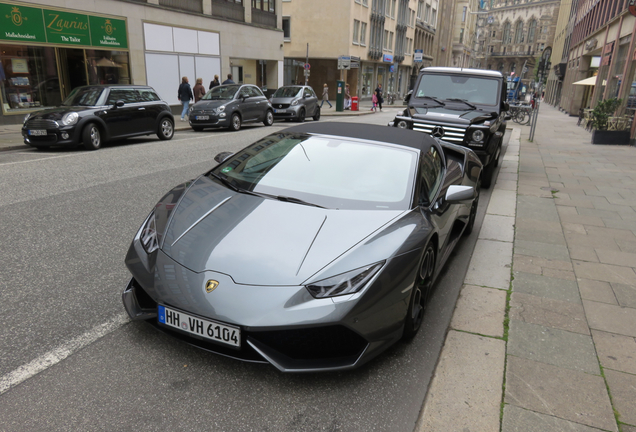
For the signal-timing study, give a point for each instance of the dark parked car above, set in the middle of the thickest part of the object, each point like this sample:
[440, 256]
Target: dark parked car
[463, 106]
[295, 103]
[229, 106]
[315, 248]
[94, 114]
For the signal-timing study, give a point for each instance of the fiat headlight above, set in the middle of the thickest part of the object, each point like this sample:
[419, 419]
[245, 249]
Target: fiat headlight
[70, 118]
[148, 235]
[220, 109]
[345, 283]
[478, 135]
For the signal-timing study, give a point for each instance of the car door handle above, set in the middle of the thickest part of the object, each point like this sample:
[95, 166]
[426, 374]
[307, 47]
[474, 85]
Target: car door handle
[142, 109]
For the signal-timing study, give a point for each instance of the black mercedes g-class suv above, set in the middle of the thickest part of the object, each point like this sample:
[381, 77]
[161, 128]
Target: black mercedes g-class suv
[462, 106]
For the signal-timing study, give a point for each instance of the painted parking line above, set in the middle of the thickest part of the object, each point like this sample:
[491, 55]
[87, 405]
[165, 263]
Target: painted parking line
[58, 354]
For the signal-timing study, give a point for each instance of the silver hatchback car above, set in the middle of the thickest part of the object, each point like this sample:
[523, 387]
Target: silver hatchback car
[295, 102]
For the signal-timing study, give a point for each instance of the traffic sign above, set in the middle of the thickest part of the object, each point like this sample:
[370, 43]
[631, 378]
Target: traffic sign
[306, 72]
[344, 62]
[307, 66]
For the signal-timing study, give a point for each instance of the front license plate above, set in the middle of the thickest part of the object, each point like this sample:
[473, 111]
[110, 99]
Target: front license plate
[37, 132]
[207, 329]
[278, 111]
[202, 117]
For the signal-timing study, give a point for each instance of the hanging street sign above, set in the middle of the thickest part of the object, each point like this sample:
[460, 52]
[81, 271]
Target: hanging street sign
[344, 62]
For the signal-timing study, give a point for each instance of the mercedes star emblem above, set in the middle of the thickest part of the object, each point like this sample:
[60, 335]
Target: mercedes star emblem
[438, 132]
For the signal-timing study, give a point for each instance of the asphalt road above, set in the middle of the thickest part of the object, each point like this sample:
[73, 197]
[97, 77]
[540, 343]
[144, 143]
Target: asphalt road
[71, 360]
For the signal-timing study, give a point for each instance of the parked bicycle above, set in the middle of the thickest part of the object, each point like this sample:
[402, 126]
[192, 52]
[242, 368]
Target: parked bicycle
[521, 114]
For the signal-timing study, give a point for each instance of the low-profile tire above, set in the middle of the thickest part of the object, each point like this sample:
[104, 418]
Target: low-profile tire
[269, 118]
[197, 128]
[166, 129]
[473, 212]
[489, 170]
[235, 122]
[316, 116]
[92, 137]
[301, 115]
[420, 294]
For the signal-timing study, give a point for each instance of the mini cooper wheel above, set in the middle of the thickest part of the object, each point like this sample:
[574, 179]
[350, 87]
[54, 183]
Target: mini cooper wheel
[316, 116]
[269, 118]
[235, 122]
[91, 137]
[420, 293]
[166, 129]
[301, 115]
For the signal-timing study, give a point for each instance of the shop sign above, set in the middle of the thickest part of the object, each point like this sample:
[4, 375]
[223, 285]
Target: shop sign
[419, 55]
[27, 24]
[387, 58]
[21, 24]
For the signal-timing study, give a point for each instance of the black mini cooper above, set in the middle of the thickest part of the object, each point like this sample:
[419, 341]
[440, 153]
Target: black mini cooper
[93, 114]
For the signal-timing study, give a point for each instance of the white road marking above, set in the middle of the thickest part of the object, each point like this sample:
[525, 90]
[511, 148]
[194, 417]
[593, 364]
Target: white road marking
[58, 354]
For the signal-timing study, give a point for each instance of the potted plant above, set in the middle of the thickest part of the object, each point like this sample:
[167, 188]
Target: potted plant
[600, 121]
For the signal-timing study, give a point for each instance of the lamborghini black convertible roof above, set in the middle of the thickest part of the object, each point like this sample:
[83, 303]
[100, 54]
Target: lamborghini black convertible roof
[404, 137]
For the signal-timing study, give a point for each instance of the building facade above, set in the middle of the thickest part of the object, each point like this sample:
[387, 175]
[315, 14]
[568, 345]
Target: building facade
[47, 48]
[377, 40]
[601, 54]
[515, 34]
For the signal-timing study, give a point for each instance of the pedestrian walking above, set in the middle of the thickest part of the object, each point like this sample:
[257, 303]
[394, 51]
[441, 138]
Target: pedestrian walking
[581, 115]
[374, 100]
[378, 92]
[215, 82]
[198, 90]
[185, 96]
[325, 96]
[229, 80]
[347, 98]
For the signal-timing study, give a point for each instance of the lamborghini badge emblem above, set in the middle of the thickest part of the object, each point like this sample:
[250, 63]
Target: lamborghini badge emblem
[211, 286]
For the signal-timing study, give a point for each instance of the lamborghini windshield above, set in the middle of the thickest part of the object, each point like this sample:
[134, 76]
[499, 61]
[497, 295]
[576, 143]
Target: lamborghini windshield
[327, 171]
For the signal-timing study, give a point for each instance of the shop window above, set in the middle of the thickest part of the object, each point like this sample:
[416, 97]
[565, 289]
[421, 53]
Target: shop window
[28, 78]
[107, 67]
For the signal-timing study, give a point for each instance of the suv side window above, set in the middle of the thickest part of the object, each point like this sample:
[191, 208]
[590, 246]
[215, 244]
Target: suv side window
[127, 95]
[147, 95]
[431, 175]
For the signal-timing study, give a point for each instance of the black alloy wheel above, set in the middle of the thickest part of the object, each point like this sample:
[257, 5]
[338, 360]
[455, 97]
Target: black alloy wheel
[316, 116]
[473, 212]
[91, 137]
[301, 115]
[420, 293]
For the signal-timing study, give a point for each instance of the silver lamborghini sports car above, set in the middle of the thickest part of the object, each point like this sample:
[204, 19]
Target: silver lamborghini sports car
[313, 249]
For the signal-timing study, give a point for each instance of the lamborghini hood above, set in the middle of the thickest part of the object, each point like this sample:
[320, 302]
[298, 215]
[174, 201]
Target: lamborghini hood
[260, 241]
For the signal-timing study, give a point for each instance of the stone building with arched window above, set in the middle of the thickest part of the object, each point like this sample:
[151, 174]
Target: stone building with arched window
[513, 33]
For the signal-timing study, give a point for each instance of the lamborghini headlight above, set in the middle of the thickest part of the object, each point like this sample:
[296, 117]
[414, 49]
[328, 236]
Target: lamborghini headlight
[344, 283]
[70, 118]
[148, 235]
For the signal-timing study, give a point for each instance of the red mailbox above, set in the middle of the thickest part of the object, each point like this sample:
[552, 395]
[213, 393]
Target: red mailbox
[354, 103]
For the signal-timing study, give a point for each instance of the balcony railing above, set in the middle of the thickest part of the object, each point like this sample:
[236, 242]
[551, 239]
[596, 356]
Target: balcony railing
[229, 10]
[264, 18]
[186, 5]
[511, 54]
